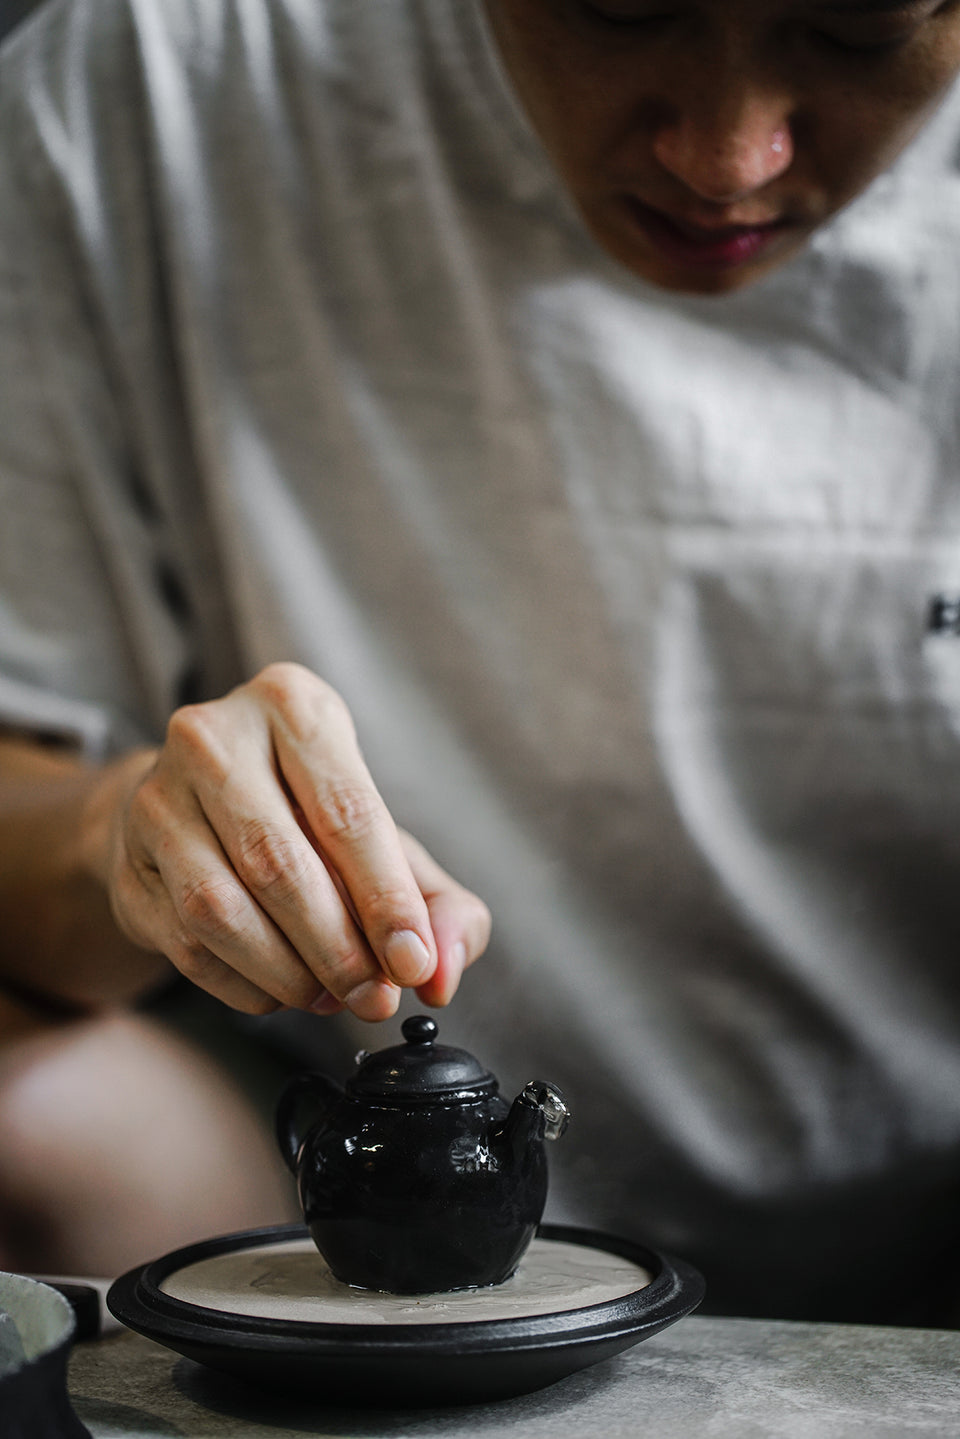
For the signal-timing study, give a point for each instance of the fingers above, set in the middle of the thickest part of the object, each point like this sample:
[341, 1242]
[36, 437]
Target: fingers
[460, 920]
[146, 914]
[216, 936]
[287, 903]
[258, 855]
[187, 896]
[350, 824]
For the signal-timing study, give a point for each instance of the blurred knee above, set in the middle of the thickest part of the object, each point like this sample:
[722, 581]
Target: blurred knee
[118, 1140]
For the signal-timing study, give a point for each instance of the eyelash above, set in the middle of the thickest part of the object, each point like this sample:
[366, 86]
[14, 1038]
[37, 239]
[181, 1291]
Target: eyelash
[621, 21]
[865, 49]
[823, 38]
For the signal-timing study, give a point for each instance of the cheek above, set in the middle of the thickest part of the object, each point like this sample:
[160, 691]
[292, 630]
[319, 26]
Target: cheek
[872, 116]
[578, 96]
[853, 135]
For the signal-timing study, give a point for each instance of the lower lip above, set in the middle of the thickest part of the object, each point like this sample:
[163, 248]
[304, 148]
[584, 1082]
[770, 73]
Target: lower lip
[725, 250]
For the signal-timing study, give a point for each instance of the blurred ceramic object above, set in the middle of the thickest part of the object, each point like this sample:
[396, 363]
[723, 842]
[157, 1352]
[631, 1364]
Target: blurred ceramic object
[416, 1176]
[36, 1330]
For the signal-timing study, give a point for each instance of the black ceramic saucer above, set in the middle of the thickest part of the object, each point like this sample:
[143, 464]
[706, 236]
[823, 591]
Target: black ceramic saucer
[261, 1305]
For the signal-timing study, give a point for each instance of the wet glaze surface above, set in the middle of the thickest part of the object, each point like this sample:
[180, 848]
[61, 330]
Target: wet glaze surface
[291, 1281]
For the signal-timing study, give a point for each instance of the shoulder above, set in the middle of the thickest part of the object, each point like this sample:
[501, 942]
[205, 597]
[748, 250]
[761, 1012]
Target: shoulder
[73, 42]
[77, 56]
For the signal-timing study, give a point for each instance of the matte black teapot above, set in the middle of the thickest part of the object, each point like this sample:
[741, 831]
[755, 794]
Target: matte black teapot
[417, 1177]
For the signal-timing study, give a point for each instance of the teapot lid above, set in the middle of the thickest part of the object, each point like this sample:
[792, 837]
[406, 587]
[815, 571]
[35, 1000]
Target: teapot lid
[420, 1071]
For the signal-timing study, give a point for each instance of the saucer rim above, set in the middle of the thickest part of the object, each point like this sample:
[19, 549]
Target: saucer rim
[674, 1282]
[453, 1362]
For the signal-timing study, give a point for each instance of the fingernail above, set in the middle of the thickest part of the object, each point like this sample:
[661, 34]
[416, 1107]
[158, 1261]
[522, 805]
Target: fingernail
[407, 957]
[373, 999]
[326, 1003]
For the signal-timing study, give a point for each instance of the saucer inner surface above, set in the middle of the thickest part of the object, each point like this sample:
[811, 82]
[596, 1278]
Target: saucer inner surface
[291, 1281]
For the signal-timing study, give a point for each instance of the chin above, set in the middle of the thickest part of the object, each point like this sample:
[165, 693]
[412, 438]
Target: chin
[699, 279]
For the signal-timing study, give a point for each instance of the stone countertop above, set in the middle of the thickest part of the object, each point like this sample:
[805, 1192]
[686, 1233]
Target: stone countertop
[704, 1378]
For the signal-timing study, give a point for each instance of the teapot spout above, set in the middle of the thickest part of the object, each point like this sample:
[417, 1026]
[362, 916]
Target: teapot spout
[538, 1112]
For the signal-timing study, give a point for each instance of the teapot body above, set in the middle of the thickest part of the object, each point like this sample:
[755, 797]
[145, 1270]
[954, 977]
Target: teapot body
[421, 1200]
[417, 1177]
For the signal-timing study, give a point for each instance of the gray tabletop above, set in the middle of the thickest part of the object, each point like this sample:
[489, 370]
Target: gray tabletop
[704, 1378]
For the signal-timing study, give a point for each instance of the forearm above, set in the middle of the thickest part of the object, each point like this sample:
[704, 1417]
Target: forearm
[58, 940]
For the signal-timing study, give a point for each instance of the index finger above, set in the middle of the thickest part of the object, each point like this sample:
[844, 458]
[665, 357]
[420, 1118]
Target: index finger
[348, 821]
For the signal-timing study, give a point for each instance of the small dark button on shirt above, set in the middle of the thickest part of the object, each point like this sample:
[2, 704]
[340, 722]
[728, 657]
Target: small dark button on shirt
[944, 615]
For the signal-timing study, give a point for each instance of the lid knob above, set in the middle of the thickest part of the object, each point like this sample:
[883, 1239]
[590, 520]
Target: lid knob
[419, 1029]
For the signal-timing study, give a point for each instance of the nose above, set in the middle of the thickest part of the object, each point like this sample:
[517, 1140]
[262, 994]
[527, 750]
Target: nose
[727, 150]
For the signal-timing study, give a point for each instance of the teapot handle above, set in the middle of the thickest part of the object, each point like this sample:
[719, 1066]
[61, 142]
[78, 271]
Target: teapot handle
[315, 1091]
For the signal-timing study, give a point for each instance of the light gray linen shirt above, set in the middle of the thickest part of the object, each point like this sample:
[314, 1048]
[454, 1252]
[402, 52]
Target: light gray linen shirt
[304, 354]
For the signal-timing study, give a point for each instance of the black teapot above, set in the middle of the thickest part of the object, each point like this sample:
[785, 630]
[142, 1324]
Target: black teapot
[417, 1177]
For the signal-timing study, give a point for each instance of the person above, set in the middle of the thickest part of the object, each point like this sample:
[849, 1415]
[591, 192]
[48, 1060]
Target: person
[532, 424]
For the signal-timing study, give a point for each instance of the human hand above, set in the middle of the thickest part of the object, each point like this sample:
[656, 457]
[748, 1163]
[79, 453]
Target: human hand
[255, 852]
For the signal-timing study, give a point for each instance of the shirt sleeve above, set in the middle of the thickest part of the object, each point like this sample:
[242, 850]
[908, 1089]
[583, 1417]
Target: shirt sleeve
[92, 647]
